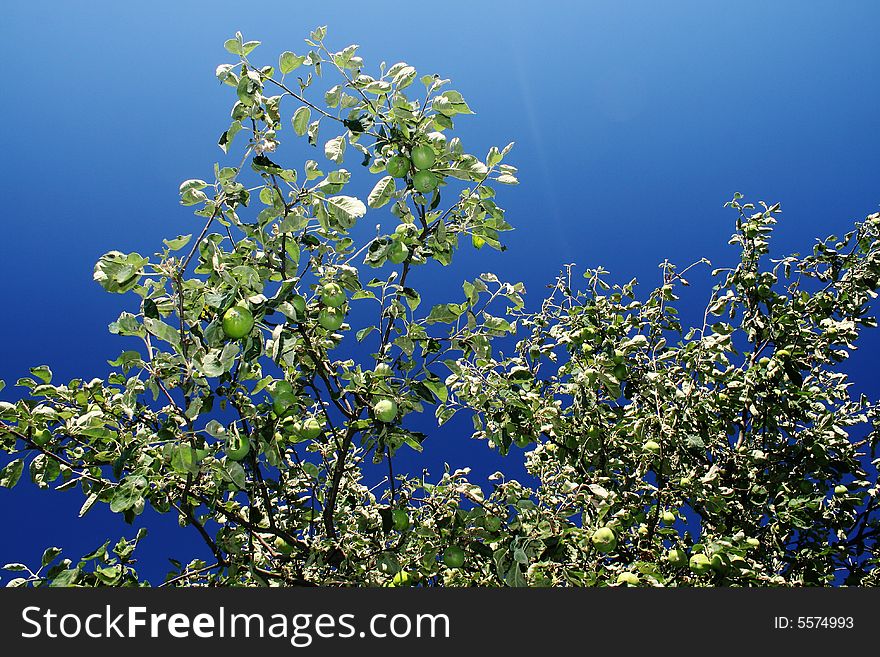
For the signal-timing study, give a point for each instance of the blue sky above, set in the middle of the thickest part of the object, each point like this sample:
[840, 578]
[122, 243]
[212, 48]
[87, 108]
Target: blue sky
[634, 123]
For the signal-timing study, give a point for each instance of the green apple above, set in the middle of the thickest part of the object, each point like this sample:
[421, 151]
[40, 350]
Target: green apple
[753, 542]
[453, 556]
[41, 437]
[667, 517]
[629, 579]
[402, 578]
[282, 546]
[385, 410]
[310, 429]
[425, 182]
[652, 447]
[620, 372]
[397, 252]
[397, 166]
[400, 519]
[700, 564]
[604, 539]
[331, 318]
[492, 523]
[840, 489]
[332, 295]
[423, 157]
[677, 558]
[237, 322]
[237, 446]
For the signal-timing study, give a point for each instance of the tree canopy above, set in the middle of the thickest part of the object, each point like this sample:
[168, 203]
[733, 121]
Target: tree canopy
[278, 355]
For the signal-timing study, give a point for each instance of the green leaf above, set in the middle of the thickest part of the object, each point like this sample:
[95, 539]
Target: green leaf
[183, 459]
[233, 46]
[290, 62]
[382, 192]
[404, 77]
[163, 331]
[248, 46]
[226, 138]
[119, 272]
[346, 207]
[334, 149]
[15, 567]
[49, 555]
[313, 132]
[364, 332]
[444, 313]
[43, 373]
[301, 120]
[11, 473]
[177, 243]
[438, 388]
[233, 473]
[128, 493]
[66, 578]
[44, 470]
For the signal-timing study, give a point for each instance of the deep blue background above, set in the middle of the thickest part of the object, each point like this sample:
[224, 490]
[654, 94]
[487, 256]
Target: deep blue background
[634, 123]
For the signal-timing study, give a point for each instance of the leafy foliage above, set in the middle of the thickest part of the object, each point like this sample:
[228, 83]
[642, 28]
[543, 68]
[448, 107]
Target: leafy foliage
[729, 453]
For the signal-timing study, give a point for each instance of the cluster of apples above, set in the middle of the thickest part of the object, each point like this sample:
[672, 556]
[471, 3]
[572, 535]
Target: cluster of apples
[421, 159]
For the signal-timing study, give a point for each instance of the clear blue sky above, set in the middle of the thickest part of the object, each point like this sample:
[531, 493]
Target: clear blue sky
[634, 123]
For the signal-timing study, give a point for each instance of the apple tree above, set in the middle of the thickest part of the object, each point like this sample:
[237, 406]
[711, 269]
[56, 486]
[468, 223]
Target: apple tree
[280, 352]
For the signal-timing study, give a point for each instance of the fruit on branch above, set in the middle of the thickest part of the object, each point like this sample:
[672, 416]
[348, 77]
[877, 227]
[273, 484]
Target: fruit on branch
[423, 157]
[385, 410]
[237, 446]
[332, 295]
[397, 252]
[604, 539]
[397, 166]
[237, 322]
[331, 318]
[425, 182]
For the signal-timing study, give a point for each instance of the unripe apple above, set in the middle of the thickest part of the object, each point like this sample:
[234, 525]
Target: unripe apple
[400, 519]
[604, 539]
[397, 166]
[629, 579]
[237, 322]
[397, 252]
[423, 157]
[385, 410]
[425, 182]
[237, 446]
[699, 563]
[282, 546]
[667, 517]
[453, 557]
[332, 295]
[840, 489]
[310, 429]
[652, 447]
[331, 318]
[677, 558]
